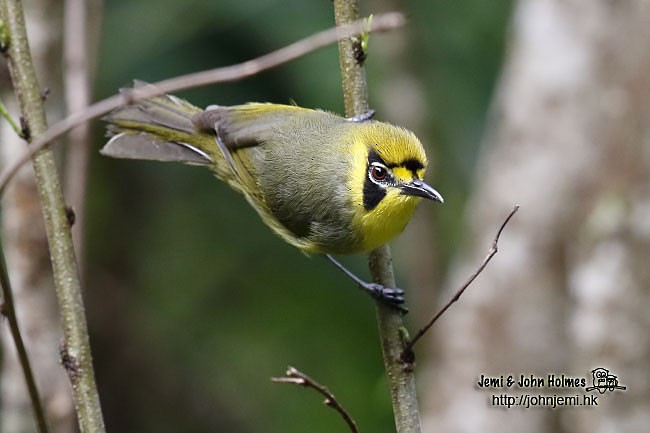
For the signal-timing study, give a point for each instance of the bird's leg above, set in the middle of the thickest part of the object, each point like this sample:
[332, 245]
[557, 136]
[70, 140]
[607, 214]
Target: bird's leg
[393, 297]
[363, 117]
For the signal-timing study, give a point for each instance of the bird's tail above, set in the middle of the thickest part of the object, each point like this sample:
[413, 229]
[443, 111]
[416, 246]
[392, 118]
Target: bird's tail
[160, 129]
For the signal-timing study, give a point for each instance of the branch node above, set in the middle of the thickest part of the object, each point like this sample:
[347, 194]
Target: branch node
[407, 356]
[25, 131]
[70, 215]
[358, 50]
[70, 363]
[360, 43]
[45, 93]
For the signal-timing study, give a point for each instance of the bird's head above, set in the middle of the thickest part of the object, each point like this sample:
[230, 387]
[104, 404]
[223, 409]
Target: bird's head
[386, 183]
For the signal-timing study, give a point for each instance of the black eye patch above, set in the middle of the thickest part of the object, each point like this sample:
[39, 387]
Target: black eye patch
[372, 193]
[412, 165]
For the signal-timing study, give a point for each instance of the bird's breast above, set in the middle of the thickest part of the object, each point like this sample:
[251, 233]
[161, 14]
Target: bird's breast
[384, 222]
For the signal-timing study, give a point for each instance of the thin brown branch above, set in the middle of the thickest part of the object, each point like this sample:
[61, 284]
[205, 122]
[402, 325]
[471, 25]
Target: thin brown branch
[407, 352]
[8, 309]
[380, 23]
[297, 377]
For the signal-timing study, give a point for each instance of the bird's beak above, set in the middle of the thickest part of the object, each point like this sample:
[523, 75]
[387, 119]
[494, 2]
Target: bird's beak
[419, 188]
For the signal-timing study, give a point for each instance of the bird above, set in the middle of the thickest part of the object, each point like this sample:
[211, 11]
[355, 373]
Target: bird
[324, 183]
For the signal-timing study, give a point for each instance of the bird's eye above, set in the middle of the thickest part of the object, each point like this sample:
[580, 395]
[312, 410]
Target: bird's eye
[378, 173]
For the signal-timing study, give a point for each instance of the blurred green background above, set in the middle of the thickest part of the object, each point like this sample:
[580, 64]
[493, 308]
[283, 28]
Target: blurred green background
[193, 303]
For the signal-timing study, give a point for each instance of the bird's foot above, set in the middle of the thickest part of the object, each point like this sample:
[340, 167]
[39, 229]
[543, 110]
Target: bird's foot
[393, 297]
[363, 117]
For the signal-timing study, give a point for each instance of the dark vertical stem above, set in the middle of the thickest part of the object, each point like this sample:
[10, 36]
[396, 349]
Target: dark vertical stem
[9, 311]
[400, 379]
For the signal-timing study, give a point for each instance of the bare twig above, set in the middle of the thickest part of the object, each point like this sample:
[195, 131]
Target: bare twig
[380, 23]
[8, 309]
[407, 352]
[299, 378]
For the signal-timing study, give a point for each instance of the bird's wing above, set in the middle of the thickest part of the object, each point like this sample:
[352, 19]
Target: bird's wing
[247, 125]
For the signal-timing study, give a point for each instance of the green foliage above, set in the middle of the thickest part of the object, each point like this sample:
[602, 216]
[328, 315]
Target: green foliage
[193, 303]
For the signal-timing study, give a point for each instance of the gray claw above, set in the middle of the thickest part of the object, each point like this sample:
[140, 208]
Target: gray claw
[391, 296]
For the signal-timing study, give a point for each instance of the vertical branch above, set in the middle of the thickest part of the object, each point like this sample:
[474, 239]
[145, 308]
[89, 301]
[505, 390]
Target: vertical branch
[76, 350]
[400, 379]
[24, 242]
[353, 75]
[9, 311]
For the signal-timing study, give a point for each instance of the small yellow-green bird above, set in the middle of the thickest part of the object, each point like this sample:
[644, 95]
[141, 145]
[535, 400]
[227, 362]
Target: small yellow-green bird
[323, 183]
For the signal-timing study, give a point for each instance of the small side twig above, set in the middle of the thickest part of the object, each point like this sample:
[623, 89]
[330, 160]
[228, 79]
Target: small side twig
[407, 353]
[297, 377]
[8, 310]
[4, 113]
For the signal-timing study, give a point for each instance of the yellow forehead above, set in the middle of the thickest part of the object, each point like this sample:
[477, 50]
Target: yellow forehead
[394, 145]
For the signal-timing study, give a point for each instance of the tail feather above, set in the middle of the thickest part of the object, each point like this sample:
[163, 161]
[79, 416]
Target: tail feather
[160, 129]
[144, 146]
